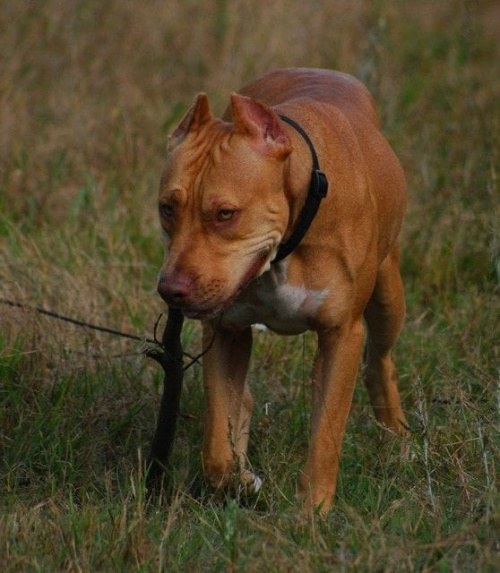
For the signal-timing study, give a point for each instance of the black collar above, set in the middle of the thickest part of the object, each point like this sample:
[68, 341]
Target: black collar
[318, 189]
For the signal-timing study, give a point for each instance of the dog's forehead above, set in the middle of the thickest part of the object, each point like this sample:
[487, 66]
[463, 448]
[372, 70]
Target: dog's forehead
[228, 167]
[238, 164]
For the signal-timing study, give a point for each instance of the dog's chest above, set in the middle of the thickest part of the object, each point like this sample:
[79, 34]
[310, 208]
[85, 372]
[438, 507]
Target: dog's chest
[281, 306]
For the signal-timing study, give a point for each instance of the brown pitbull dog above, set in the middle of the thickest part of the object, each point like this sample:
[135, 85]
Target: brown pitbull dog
[237, 196]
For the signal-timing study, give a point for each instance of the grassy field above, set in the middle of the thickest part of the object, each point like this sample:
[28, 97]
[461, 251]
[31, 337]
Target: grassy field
[88, 93]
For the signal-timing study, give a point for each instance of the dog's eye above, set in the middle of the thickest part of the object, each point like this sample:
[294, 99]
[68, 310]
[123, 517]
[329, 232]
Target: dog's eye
[225, 214]
[166, 210]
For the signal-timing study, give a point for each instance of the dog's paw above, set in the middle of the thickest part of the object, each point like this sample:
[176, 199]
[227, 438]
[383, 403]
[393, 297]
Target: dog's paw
[250, 483]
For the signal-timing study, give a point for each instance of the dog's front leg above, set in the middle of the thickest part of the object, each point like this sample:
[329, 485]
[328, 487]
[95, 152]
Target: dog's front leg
[334, 375]
[228, 408]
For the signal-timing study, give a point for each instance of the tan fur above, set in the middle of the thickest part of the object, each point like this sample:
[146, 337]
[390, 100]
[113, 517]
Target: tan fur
[231, 192]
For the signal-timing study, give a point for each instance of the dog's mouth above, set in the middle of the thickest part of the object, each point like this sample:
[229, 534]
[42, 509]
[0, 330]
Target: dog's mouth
[211, 312]
[206, 314]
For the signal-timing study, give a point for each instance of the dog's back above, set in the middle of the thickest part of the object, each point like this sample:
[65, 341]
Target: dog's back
[327, 86]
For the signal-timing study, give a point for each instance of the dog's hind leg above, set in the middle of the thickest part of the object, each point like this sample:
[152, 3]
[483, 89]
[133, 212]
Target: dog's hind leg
[228, 409]
[384, 317]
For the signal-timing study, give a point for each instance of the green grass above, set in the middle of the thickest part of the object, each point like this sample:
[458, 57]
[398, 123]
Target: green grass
[88, 94]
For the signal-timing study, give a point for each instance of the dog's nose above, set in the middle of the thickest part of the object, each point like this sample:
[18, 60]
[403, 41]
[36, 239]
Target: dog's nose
[174, 290]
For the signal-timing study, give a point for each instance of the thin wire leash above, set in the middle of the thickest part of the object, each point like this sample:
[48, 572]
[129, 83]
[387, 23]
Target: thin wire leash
[82, 323]
[112, 331]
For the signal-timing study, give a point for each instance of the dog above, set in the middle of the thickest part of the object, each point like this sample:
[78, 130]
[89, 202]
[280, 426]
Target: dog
[286, 212]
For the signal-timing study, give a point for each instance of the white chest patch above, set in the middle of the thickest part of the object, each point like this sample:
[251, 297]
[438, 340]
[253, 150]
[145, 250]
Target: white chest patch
[282, 307]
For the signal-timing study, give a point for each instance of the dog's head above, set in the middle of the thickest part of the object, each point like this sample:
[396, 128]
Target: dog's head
[222, 204]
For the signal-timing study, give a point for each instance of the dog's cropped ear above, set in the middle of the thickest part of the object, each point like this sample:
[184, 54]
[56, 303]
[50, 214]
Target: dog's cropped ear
[251, 117]
[198, 114]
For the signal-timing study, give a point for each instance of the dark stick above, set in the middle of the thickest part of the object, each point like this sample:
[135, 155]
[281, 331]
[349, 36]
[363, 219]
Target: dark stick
[170, 359]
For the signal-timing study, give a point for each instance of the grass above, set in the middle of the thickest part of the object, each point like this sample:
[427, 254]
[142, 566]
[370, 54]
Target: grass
[88, 93]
